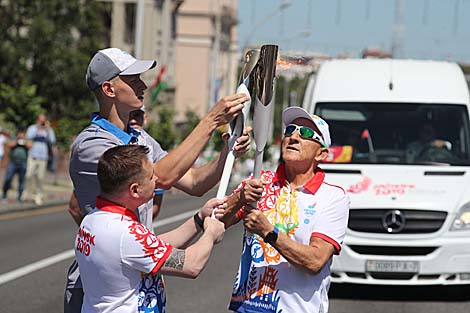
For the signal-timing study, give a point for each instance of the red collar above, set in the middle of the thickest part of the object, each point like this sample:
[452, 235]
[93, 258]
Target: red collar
[108, 206]
[312, 185]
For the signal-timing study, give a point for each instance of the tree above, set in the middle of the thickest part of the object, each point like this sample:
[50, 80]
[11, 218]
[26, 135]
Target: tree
[45, 47]
[191, 122]
[163, 131]
[21, 105]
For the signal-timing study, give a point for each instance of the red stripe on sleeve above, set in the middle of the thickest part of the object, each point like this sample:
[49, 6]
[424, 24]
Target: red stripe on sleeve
[163, 259]
[329, 240]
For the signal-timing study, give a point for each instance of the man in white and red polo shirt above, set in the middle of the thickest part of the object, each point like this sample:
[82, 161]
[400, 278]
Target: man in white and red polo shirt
[299, 223]
[121, 261]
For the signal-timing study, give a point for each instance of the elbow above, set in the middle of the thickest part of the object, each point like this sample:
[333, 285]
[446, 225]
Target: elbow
[193, 190]
[196, 193]
[165, 183]
[193, 273]
[314, 268]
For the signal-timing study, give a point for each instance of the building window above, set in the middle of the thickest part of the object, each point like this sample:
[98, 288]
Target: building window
[129, 36]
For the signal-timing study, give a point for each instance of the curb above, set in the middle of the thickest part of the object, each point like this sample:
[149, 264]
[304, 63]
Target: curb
[33, 207]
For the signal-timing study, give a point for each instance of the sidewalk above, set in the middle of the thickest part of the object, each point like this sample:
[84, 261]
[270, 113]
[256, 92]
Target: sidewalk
[57, 191]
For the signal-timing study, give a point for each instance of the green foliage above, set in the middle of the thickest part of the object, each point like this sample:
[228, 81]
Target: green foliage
[217, 141]
[163, 130]
[69, 126]
[191, 122]
[21, 106]
[45, 47]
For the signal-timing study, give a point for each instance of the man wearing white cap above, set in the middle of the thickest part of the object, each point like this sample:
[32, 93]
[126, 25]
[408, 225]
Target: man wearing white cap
[114, 77]
[299, 223]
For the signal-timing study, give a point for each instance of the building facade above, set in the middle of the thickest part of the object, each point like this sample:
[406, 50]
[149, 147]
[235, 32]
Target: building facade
[194, 40]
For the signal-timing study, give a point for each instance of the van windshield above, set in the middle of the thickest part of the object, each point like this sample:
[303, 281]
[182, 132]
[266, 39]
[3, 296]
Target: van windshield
[397, 133]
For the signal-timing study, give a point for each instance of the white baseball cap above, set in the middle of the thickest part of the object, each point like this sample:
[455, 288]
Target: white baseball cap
[292, 113]
[111, 62]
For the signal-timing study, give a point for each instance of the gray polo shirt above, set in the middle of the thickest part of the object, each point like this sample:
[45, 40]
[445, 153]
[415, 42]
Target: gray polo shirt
[87, 149]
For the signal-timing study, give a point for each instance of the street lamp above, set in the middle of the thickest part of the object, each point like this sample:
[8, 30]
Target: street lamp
[300, 35]
[284, 5]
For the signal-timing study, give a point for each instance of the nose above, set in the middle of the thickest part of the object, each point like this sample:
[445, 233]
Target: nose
[295, 134]
[294, 138]
[144, 86]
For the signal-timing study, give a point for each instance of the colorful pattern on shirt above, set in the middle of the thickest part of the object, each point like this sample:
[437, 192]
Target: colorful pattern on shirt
[152, 297]
[265, 281]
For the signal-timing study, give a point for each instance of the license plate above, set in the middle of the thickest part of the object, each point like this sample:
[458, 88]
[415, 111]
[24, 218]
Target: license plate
[392, 266]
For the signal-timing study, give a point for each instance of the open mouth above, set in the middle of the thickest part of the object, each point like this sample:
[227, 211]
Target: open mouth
[292, 148]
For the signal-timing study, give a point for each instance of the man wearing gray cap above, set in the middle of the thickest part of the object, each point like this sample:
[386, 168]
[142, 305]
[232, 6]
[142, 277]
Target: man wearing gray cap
[114, 77]
[299, 223]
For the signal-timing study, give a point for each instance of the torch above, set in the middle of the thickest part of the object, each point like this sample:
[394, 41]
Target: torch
[246, 84]
[264, 102]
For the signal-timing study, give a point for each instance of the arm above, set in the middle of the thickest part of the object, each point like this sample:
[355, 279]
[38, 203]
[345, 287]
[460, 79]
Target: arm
[8, 145]
[199, 180]
[74, 209]
[172, 167]
[329, 231]
[28, 144]
[157, 204]
[312, 257]
[190, 262]
[184, 234]
[50, 133]
[249, 192]
[233, 206]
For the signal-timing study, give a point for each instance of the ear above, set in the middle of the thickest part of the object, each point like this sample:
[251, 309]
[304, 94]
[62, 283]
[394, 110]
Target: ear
[322, 154]
[134, 190]
[108, 89]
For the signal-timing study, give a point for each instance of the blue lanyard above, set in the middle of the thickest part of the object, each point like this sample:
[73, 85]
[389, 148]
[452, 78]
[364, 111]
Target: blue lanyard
[126, 137]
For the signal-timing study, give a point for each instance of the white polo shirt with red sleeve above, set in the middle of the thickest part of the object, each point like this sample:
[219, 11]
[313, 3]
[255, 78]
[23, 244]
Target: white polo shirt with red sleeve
[266, 281]
[118, 258]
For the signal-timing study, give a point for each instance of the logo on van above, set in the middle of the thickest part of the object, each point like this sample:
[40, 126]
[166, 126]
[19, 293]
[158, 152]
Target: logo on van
[380, 189]
[360, 186]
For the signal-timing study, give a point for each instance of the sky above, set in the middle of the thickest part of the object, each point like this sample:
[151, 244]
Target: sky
[431, 29]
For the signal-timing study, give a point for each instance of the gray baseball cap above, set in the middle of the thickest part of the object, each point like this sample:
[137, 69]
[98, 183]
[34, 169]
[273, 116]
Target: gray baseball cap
[111, 62]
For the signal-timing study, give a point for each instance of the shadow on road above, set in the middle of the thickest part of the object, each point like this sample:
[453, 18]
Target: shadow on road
[415, 293]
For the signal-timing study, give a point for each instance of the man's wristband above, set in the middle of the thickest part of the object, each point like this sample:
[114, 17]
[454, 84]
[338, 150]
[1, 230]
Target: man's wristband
[199, 222]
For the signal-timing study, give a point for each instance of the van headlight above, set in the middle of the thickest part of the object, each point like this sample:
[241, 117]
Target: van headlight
[462, 219]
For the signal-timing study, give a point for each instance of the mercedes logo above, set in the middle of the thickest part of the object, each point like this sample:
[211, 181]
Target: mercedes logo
[393, 221]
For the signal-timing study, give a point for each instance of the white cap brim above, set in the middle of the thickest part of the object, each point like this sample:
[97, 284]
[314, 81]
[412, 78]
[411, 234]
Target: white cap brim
[292, 113]
[139, 67]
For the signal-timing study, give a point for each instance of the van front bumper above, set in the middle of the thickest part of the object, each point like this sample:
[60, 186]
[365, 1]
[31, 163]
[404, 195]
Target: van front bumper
[432, 261]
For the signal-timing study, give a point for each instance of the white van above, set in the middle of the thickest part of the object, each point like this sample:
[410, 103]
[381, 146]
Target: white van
[401, 149]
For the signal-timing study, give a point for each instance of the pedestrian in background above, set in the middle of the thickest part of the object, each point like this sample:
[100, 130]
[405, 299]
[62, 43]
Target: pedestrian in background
[3, 140]
[17, 159]
[43, 139]
[299, 223]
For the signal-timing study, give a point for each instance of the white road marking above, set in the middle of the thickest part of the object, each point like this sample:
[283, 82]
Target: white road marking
[36, 266]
